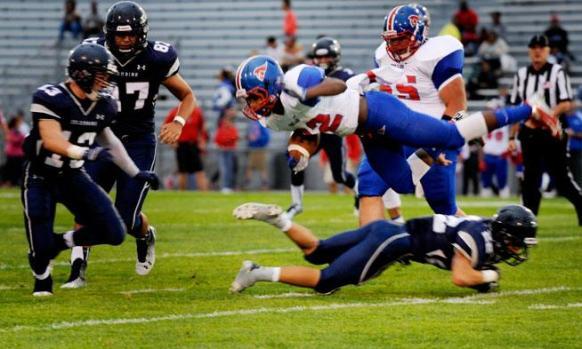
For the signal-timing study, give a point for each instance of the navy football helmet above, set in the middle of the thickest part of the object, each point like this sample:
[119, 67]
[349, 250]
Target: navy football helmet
[326, 47]
[404, 31]
[89, 64]
[126, 18]
[259, 82]
[513, 229]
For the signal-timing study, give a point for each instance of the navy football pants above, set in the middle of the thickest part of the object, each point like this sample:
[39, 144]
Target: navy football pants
[131, 193]
[359, 255]
[80, 195]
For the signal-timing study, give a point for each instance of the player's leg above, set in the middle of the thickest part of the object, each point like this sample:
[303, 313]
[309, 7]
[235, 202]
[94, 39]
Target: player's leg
[131, 194]
[370, 190]
[487, 176]
[389, 116]
[533, 167]
[297, 187]
[39, 205]
[439, 185]
[333, 146]
[501, 175]
[104, 174]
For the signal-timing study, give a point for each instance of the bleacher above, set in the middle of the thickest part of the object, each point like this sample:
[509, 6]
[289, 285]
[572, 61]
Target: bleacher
[212, 34]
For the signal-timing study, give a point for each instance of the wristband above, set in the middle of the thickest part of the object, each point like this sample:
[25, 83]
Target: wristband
[489, 276]
[179, 120]
[76, 152]
[298, 148]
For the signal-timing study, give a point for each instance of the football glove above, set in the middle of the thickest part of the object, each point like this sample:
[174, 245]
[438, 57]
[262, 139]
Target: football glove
[150, 177]
[297, 165]
[97, 153]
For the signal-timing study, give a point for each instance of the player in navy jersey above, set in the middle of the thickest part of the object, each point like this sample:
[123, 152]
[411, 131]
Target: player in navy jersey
[326, 52]
[143, 66]
[67, 119]
[467, 246]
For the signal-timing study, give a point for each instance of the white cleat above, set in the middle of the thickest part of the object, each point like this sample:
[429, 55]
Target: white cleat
[146, 253]
[260, 212]
[77, 283]
[294, 210]
[77, 277]
[245, 278]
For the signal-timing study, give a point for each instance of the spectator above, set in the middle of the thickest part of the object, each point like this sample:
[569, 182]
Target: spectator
[226, 139]
[93, 24]
[258, 138]
[451, 29]
[292, 53]
[467, 20]
[223, 98]
[483, 78]
[495, 156]
[14, 153]
[71, 21]
[557, 35]
[191, 145]
[471, 156]
[289, 19]
[496, 25]
[492, 49]
[272, 48]
[574, 132]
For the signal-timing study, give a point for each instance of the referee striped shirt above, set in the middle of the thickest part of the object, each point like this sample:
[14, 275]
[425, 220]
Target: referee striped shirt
[551, 80]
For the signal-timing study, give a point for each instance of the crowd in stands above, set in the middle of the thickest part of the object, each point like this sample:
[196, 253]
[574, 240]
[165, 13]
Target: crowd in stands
[73, 22]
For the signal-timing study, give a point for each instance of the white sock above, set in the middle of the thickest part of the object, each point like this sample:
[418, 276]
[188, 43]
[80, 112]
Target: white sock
[283, 222]
[472, 127]
[68, 237]
[418, 168]
[297, 194]
[267, 274]
[77, 253]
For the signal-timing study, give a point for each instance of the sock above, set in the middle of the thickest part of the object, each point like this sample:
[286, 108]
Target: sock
[507, 116]
[283, 222]
[418, 168]
[297, 194]
[473, 126]
[267, 274]
[77, 253]
[68, 238]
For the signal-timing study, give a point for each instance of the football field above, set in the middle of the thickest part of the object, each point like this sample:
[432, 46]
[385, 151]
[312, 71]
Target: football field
[185, 302]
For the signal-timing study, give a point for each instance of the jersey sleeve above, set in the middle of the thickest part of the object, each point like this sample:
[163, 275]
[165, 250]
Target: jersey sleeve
[304, 77]
[167, 59]
[474, 242]
[45, 104]
[449, 67]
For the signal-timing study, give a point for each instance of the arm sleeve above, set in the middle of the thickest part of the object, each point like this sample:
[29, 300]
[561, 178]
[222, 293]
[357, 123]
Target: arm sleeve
[564, 89]
[43, 107]
[120, 157]
[515, 98]
[447, 68]
[169, 62]
[310, 76]
[473, 246]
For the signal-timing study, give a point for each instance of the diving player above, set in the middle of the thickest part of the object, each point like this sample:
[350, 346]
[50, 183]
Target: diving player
[67, 119]
[326, 53]
[303, 98]
[432, 83]
[143, 66]
[467, 246]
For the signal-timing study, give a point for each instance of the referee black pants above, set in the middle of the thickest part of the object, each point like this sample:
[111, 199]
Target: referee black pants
[541, 151]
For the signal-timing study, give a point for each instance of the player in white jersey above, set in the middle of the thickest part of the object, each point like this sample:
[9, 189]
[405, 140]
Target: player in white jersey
[432, 84]
[305, 99]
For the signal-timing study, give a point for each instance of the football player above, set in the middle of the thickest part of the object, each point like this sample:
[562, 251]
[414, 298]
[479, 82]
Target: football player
[467, 246]
[326, 53]
[67, 119]
[143, 66]
[304, 99]
[432, 83]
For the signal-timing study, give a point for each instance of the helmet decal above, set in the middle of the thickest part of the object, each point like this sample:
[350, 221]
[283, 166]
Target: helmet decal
[260, 71]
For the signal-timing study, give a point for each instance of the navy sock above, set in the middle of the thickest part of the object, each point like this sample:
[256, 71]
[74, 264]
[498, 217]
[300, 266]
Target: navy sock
[508, 116]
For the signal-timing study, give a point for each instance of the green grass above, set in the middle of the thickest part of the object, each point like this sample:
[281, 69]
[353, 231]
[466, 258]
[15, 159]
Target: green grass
[193, 287]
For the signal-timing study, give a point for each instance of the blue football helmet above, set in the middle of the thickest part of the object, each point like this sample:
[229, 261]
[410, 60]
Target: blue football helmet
[514, 229]
[91, 66]
[259, 82]
[404, 31]
[424, 17]
[126, 18]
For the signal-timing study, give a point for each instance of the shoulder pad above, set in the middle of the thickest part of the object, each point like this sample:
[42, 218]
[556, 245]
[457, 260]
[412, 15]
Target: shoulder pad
[380, 53]
[438, 47]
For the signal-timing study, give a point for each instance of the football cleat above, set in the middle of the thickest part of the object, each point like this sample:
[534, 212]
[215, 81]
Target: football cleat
[77, 277]
[261, 212]
[146, 253]
[542, 113]
[294, 210]
[44, 287]
[244, 278]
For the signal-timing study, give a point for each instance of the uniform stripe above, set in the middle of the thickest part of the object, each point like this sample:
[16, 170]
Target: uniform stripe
[391, 17]
[39, 108]
[378, 251]
[144, 189]
[25, 198]
[174, 68]
[552, 81]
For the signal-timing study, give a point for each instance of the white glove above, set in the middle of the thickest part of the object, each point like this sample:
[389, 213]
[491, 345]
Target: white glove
[301, 164]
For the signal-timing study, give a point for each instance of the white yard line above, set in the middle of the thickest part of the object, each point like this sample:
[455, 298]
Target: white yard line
[8, 288]
[559, 239]
[151, 290]
[286, 295]
[166, 255]
[281, 310]
[554, 306]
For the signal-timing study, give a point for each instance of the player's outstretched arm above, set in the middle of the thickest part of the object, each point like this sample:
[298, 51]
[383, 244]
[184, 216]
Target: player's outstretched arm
[327, 87]
[463, 274]
[120, 157]
[52, 139]
[170, 132]
[454, 96]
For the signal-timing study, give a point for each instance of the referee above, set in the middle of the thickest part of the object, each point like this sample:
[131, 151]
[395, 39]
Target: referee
[541, 150]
